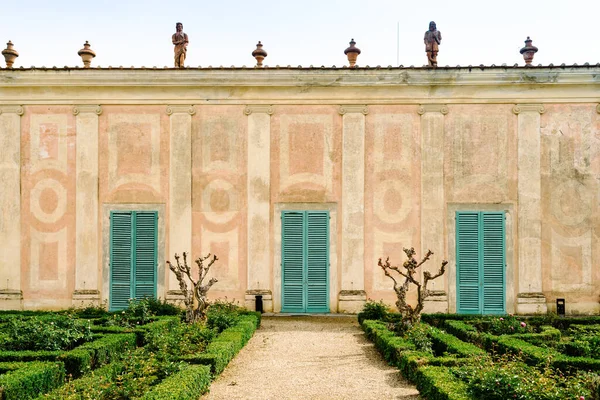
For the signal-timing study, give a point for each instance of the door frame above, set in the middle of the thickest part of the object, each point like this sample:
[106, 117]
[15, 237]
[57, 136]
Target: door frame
[333, 249]
[160, 255]
[510, 230]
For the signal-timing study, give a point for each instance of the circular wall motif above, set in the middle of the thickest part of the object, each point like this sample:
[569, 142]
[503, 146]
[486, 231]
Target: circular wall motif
[389, 202]
[571, 203]
[220, 202]
[48, 200]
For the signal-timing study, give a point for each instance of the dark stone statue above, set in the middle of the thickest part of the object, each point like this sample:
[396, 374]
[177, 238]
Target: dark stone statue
[180, 40]
[433, 37]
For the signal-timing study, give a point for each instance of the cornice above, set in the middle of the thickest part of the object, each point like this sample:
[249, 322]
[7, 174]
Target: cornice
[433, 108]
[519, 108]
[181, 109]
[10, 109]
[299, 77]
[353, 108]
[87, 109]
[258, 108]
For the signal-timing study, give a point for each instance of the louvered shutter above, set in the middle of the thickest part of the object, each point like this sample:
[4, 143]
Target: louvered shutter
[120, 259]
[493, 245]
[145, 254]
[317, 261]
[468, 262]
[292, 257]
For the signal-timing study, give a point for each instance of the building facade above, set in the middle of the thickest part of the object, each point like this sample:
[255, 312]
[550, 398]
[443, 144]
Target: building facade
[299, 180]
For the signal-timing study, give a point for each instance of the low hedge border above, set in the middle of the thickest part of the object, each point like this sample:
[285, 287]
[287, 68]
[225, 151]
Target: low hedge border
[447, 343]
[92, 380]
[438, 383]
[532, 354]
[429, 373]
[31, 380]
[187, 384]
[28, 355]
[224, 347]
[91, 355]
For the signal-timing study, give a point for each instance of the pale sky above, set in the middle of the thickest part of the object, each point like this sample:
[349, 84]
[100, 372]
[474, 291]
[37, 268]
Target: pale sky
[308, 32]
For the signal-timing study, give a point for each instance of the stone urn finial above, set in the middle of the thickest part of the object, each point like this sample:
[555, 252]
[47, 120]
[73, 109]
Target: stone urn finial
[352, 52]
[259, 54]
[10, 54]
[528, 52]
[86, 54]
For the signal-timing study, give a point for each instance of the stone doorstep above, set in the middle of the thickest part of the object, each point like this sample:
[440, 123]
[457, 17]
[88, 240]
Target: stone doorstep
[322, 315]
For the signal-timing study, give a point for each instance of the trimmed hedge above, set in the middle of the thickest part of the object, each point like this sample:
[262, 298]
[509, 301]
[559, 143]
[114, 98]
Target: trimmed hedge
[225, 346]
[429, 373]
[187, 384]
[91, 355]
[438, 383]
[445, 342]
[88, 383]
[29, 355]
[31, 380]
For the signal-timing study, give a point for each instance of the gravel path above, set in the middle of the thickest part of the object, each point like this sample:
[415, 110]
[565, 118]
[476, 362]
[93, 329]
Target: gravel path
[310, 357]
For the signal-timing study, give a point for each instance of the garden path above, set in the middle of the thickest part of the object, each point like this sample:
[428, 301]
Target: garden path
[310, 357]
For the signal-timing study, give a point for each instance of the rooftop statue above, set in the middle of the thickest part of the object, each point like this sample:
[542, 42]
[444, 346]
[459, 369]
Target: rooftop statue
[180, 40]
[433, 37]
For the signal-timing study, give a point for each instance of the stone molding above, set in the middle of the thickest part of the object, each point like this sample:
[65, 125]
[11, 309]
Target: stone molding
[598, 108]
[12, 110]
[87, 109]
[425, 108]
[353, 108]
[258, 108]
[519, 108]
[181, 109]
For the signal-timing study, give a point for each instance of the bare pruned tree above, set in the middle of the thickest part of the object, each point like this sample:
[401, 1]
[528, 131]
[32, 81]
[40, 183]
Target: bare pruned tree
[195, 299]
[410, 315]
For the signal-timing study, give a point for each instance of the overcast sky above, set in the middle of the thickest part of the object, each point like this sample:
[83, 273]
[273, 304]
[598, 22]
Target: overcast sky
[307, 32]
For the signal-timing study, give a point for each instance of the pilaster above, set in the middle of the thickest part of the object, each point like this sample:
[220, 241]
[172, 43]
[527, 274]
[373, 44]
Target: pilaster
[433, 200]
[259, 203]
[352, 295]
[530, 299]
[180, 184]
[86, 207]
[11, 296]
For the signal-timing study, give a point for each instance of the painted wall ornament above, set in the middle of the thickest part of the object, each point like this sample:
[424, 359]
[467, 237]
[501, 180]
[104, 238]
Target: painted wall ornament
[180, 40]
[433, 38]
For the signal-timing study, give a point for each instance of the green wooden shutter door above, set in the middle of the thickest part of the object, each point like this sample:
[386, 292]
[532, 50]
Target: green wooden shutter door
[317, 261]
[493, 238]
[292, 258]
[145, 254]
[120, 259]
[467, 261]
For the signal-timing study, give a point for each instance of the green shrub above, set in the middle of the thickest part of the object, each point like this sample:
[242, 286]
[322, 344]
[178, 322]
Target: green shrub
[373, 310]
[37, 333]
[187, 384]
[160, 307]
[506, 325]
[31, 380]
[418, 334]
[222, 314]
[92, 386]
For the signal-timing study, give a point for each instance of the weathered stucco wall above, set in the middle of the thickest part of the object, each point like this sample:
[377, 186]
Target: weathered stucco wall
[392, 154]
